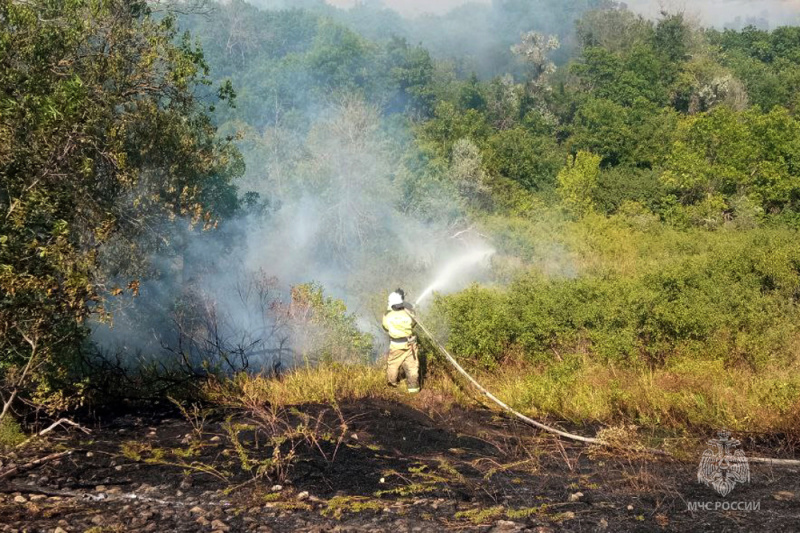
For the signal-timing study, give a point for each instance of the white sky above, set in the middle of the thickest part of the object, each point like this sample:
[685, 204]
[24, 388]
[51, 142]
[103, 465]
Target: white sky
[414, 7]
[709, 11]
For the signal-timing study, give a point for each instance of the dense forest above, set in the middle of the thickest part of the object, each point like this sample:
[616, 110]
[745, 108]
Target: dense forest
[200, 199]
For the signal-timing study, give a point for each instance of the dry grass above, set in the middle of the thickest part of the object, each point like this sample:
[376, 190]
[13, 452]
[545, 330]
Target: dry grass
[685, 398]
[325, 383]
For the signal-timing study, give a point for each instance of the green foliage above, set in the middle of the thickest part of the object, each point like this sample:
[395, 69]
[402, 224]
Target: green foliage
[732, 299]
[105, 135]
[339, 505]
[480, 324]
[11, 433]
[729, 155]
[530, 160]
[577, 182]
[412, 73]
[767, 63]
[103, 138]
[481, 516]
[339, 59]
[636, 135]
[619, 185]
[327, 333]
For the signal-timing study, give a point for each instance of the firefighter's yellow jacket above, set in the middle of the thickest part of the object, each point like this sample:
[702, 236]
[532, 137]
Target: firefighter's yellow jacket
[400, 327]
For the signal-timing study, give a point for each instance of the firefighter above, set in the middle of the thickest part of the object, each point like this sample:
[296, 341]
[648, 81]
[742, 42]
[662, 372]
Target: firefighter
[403, 359]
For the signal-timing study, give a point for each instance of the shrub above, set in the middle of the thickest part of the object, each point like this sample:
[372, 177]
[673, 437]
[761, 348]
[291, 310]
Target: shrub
[731, 298]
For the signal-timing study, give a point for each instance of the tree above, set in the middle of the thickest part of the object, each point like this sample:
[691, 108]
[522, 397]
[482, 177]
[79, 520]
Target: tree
[577, 182]
[411, 70]
[466, 172]
[615, 30]
[348, 171]
[727, 155]
[471, 94]
[340, 60]
[103, 139]
[530, 160]
[534, 50]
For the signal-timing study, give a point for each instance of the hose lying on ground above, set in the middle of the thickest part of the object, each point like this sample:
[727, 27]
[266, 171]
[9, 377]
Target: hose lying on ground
[566, 435]
[496, 400]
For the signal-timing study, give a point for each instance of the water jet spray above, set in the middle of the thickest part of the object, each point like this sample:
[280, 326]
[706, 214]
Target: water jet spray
[453, 268]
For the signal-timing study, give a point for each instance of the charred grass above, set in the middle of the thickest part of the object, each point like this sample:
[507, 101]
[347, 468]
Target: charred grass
[255, 454]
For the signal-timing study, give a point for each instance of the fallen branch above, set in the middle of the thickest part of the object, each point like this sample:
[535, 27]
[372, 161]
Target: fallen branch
[773, 462]
[34, 489]
[51, 427]
[33, 464]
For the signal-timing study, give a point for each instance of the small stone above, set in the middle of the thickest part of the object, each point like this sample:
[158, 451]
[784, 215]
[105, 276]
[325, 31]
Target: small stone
[203, 521]
[118, 468]
[59, 530]
[277, 488]
[506, 526]
[89, 454]
[575, 497]
[215, 438]
[783, 496]
[303, 496]
[20, 499]
[37, 497]
[100, 488]
[354, 436]
[219, 525]
[630, 507]
[197, 510]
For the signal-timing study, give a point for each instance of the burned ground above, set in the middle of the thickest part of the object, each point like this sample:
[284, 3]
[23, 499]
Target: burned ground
[396, 468]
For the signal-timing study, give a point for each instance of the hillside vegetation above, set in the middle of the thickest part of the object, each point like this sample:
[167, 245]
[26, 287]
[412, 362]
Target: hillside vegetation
[639, 179]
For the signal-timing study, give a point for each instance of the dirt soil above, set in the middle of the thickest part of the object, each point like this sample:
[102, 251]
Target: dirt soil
[398, 469]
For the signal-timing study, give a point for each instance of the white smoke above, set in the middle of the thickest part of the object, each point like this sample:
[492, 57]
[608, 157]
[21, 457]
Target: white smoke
[337, 220]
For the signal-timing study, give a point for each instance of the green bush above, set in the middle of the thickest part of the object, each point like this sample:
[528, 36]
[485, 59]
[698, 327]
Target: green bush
[733, 299]
[11, 433]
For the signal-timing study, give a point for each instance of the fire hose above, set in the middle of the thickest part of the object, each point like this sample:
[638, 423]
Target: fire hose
[499, 402]
[549, 429]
